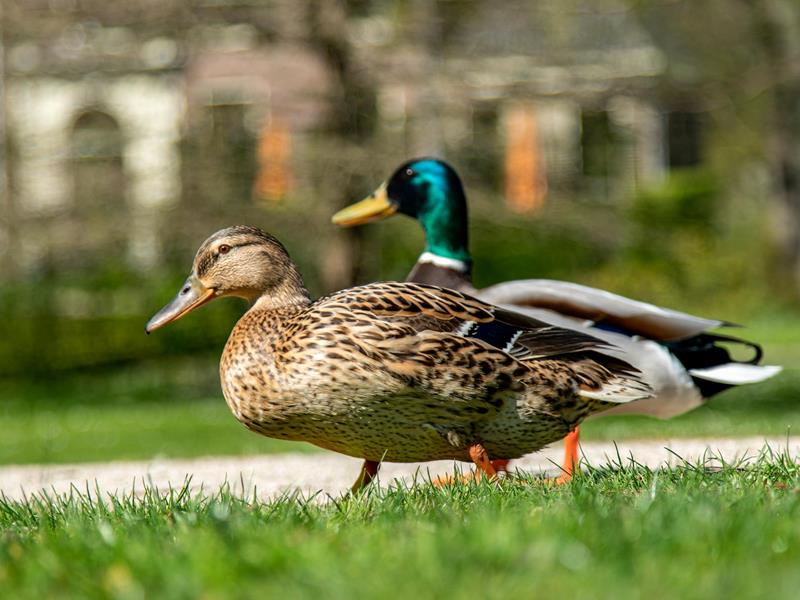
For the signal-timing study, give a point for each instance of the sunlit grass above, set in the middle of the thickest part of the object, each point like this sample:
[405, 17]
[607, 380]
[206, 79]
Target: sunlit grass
[616, 532]
[169, 409]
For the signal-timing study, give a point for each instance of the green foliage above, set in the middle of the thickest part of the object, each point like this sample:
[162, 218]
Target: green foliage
[672, 233]
[687, 199]
[60, 324]
[622, 532]
[684, 245]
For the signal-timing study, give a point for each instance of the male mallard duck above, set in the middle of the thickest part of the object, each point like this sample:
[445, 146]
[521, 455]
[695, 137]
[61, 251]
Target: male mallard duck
[681, 361]
[393, 371]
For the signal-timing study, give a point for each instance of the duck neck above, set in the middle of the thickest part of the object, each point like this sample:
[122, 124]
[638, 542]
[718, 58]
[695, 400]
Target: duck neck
[290, 292]
[446, 231]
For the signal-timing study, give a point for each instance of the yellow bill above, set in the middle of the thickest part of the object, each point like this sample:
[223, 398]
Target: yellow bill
[374, 208]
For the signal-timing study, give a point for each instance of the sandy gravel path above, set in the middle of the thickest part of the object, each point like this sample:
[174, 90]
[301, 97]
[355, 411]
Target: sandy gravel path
[277, 473]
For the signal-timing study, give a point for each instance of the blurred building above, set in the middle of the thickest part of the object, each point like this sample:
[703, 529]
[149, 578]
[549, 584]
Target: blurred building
[116, 115]
[99, 96]
[562, 98]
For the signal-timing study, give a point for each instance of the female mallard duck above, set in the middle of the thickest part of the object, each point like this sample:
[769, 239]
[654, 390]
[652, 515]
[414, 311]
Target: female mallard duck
[393, 371]
[679, 359]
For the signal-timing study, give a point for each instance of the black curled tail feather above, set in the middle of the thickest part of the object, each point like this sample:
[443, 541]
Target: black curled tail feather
[702, 351]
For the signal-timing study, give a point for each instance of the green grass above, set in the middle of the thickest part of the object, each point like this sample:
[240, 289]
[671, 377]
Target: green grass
[626, 532]
[168, 409]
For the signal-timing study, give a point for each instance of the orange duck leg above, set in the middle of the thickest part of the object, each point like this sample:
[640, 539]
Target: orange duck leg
[491, 468]
[500, 465]
[485, 468]
[570, 456]
[571, 442]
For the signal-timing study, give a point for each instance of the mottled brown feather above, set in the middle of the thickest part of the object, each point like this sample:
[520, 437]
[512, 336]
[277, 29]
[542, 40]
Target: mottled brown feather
[379, 372]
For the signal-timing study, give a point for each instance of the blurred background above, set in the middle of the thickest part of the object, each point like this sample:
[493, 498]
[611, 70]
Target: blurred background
[646, 147]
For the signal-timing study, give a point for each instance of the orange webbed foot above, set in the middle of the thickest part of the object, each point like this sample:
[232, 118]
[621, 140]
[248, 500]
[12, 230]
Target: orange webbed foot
[500, 465]
[444, 480]
[485, 468]
[570, 457]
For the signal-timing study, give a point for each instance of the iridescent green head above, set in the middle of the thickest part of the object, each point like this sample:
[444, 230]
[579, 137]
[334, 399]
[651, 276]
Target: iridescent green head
[428, 190]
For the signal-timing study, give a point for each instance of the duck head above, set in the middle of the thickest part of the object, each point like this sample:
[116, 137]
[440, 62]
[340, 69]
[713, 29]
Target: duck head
[238, 261]
[428, 190]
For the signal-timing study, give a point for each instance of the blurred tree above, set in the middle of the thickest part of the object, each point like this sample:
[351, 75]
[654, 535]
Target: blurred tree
[351, 126]
[727, 56]
[777, 28]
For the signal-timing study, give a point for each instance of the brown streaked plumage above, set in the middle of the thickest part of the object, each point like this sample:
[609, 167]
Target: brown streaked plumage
[391, 371]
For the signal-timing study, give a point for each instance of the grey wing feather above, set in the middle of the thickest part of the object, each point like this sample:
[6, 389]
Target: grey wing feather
[583, 302]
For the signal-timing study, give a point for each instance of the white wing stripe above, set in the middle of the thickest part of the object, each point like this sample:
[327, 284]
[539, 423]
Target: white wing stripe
[512, 341]
[464, 329]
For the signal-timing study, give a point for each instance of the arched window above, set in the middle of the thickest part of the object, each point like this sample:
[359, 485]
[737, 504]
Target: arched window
[100, 211]
[96, 153]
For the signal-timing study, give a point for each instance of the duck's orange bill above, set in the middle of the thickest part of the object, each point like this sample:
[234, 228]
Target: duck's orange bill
[192, 295]
[377, 206]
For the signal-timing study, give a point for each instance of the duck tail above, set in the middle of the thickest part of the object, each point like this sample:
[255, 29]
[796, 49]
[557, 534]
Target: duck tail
[711, 366]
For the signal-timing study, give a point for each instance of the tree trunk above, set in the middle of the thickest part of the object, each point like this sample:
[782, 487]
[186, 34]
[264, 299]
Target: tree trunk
[776, 33]
[351, 128]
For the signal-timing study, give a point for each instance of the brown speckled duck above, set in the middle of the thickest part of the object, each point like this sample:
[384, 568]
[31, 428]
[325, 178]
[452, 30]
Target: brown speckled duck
[400, 372]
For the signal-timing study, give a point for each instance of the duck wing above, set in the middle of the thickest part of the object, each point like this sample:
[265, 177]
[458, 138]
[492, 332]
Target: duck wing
[423, 309]
[601, 308]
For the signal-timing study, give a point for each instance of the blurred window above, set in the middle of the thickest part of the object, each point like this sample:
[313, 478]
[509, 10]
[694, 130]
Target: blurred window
[482, 152]
[274, 174]
[684, 139]
[600, 147]
[99, 217]
[228, 155]
[227, 123]
[96, 153]
[525, 179]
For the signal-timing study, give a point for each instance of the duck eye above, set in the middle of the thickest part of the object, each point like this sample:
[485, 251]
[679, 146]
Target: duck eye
[224, 249]
[409, 172]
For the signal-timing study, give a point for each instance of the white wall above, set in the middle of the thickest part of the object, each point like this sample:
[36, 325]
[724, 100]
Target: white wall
[41, 114]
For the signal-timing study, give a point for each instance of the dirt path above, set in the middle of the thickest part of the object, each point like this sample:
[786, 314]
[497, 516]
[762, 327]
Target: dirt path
[276, 473]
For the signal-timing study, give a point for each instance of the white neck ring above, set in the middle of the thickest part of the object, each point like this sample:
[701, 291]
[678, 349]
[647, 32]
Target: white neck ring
[443, 261]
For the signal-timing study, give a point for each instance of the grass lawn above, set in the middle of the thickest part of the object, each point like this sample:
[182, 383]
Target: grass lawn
[169, 409]
[622, 533]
